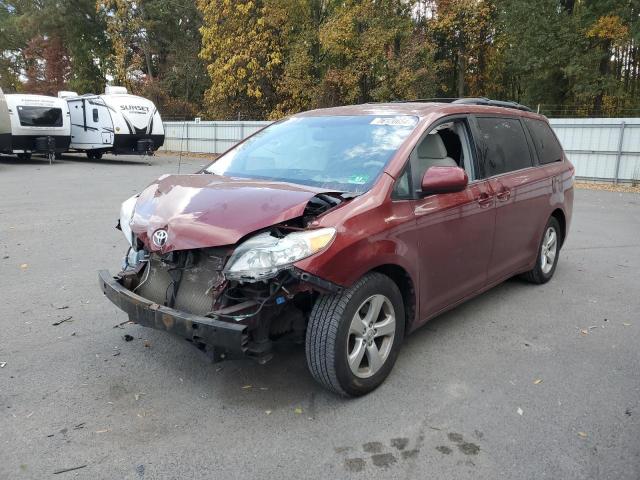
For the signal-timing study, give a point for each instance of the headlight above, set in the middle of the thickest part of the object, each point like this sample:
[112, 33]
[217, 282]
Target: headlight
[126, 214]
[264, 255]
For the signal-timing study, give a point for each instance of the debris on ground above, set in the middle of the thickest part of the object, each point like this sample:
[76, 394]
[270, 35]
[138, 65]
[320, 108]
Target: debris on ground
[79, 426]
[68, 469]
[608, 187]
[246, 387]
[115, 354]
[66, 319]
[582, 434]
[298, 411]
[121, 324]
[537, 381]
[127, 337]
[24, 266]
[61, 307]
[268, 412]
[520, 412]
[2, 364]
[147, 343]
[626, 324]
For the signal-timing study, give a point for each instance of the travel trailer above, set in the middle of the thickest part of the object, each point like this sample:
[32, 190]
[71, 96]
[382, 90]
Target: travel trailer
[5, 125]
[38, 124]
[114, 122]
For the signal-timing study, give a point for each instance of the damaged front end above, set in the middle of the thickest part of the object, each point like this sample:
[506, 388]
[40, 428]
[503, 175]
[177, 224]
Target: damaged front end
[229, 301]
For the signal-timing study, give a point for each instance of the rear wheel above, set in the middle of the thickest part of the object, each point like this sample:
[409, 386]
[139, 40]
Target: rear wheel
[353, 338]
[94, 155]
[26, 156]
[548, 253]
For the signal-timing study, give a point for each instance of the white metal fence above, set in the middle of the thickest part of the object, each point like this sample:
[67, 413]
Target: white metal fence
[602, 149]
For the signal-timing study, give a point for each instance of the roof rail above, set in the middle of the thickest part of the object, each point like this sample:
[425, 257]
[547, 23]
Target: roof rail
[427, 100]
[470, 101]
[492, 103]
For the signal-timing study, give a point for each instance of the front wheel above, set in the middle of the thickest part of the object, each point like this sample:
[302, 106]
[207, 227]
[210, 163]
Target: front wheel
[353, 338]
[548, 253]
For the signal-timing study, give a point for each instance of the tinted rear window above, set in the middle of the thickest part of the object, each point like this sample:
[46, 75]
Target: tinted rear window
[31, 116]
[546, 143]
[503, 146]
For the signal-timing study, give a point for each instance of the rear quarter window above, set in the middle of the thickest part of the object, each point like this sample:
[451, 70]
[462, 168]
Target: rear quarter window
[547, 146]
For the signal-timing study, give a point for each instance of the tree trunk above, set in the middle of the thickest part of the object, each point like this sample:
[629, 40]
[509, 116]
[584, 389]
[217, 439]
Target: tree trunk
[461, 69]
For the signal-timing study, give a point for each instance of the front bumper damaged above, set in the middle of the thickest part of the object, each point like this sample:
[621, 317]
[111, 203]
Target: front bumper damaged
[221, 339]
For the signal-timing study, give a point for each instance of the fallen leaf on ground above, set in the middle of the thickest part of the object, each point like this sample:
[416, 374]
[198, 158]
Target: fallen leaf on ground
[626, 324]
[103, 431]
[55, 324]
[584, 332]
[520, 412]
[24, 266]
[537, 381]
[268, 412]
[298, 411]
[582, 434]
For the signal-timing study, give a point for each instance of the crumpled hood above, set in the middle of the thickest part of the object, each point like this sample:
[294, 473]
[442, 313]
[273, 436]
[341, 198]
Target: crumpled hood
[202, 210]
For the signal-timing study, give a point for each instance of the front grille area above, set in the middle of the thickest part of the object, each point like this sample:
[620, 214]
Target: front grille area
[196, 288]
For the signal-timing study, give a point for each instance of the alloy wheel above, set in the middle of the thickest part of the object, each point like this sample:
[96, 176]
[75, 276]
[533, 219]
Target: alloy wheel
[549, 250]
[371, 336]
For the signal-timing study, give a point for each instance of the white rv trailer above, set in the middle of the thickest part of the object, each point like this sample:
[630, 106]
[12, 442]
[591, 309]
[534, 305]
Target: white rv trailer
[38, 124]
[5, 125]
[115, 122]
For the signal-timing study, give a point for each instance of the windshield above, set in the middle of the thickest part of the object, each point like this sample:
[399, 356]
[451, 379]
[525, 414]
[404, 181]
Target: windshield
[345, 153]
[39, 116]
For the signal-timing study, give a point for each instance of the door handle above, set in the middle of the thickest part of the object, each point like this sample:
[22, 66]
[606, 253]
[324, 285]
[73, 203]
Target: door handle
[504, 195]
[484, 199]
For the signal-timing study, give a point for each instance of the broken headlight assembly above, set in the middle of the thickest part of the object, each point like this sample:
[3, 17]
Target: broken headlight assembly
[126, 214]
[264, 255]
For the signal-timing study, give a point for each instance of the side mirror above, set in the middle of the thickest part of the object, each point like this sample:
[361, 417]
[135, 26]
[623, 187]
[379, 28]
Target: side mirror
[444, 180]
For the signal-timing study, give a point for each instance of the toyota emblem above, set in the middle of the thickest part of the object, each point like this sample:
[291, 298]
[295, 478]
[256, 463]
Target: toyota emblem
[160, 238]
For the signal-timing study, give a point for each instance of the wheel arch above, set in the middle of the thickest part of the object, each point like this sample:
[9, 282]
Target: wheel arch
[405, 284]
[559, 215]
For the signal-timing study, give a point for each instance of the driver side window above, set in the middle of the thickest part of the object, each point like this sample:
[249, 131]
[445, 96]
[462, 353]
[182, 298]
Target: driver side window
[447, 145]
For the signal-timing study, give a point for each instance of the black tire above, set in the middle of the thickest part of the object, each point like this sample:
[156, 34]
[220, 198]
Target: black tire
[538, 275]
[328, 334]
[94, 155]
[24, 156]
[57, 156]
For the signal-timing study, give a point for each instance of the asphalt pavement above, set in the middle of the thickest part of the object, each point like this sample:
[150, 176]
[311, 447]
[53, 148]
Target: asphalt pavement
[523, 382]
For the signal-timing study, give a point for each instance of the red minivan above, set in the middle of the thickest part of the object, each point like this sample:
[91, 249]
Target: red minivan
[345, 229]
